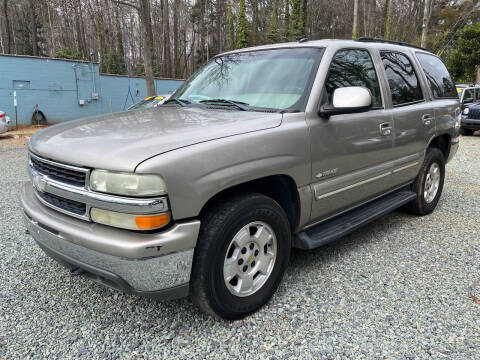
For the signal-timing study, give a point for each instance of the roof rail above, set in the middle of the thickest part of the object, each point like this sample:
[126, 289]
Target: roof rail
[368, 39]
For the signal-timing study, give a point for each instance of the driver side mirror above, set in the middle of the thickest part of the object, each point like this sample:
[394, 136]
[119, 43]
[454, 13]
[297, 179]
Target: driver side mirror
[468, 101]
[347, 100]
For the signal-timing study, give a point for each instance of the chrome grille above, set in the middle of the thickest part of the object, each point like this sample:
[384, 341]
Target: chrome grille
[59, 173]
[474, 113]
[64, 204]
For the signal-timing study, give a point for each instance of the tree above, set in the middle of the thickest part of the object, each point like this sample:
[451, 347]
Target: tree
[33, 28]
[242, 27]
[273, 32]
[8, 39]
[426, 20]
[464, 59]
[286, 33]
[143, 8]
[231, 29]
[355, 20]
[255, 22]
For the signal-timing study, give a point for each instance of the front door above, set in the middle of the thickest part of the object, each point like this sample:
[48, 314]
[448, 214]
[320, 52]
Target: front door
[351, 154]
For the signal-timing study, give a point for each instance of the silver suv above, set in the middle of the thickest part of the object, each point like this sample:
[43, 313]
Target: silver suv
[262, 150]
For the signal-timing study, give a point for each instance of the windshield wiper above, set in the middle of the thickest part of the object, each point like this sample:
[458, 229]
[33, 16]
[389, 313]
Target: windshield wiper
[240, 105]
[181, 102]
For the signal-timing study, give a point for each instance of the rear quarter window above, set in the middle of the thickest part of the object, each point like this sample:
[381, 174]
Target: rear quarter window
[438, 76]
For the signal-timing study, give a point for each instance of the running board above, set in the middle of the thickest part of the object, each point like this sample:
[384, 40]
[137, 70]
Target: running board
[337, 227]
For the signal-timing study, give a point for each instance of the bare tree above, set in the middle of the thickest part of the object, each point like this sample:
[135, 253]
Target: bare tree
[426, 20]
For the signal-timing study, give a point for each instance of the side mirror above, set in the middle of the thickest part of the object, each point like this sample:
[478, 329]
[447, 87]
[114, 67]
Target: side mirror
[468, 101]
[347, 100]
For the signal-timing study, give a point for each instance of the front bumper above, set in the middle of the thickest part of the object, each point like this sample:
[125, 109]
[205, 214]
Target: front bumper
[472, 124]
[151, 264]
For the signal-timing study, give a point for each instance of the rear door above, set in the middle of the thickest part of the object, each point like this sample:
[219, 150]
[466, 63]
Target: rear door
[413, 114]
[443, 91]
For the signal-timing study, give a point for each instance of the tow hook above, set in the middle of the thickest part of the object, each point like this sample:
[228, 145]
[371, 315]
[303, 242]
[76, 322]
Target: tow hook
[76, 271]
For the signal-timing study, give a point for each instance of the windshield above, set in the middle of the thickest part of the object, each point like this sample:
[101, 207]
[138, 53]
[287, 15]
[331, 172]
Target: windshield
[274, 79]
[147, 103]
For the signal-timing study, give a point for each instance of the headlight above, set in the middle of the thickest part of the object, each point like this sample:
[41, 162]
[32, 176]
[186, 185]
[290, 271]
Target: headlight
[129, 221]
[466, 111]
[127, 184]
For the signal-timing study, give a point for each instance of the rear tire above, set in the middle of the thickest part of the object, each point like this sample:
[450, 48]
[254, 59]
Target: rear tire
[238, 240]
[466, 132]
[429, 183]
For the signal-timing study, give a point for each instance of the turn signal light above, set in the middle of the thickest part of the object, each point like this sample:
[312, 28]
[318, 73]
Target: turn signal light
[152, 222]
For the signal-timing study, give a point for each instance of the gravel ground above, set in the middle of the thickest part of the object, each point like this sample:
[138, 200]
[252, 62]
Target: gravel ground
[399, 288]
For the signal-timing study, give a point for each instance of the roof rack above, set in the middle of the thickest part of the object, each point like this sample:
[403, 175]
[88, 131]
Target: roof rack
[368, 39]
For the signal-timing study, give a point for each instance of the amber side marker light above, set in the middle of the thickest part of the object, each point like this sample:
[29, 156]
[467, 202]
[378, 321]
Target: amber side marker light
[152, 222]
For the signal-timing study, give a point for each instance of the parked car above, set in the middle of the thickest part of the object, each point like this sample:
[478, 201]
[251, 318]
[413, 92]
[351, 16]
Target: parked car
[262, 150]
[468, 94]
[4, 122]
[470, 120]
[149, 102]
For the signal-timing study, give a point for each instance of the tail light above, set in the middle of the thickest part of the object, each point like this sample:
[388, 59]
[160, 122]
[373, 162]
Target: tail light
[2, 115]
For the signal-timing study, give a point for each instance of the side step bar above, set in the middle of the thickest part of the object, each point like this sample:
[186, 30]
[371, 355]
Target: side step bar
[337, 227]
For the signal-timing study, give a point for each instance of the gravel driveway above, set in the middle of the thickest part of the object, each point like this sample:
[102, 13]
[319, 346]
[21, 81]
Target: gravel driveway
[399, 288]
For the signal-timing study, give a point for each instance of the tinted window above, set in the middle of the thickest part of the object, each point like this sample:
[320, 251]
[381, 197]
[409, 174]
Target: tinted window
[438, 77]
[403, 81]
[353, 68]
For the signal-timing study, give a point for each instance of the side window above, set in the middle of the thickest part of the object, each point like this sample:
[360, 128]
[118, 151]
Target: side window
[403, 81]
[469, 95]
[353, 68]
[438, 77]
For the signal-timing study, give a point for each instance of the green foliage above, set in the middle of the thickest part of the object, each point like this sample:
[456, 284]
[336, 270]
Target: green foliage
[231, 28]
[67, 52]
[465, 55]
[243, 37]
[296, 23]
[273, 31]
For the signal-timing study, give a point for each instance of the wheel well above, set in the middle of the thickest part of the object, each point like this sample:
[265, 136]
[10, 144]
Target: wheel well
[281, 188]
[442, 142]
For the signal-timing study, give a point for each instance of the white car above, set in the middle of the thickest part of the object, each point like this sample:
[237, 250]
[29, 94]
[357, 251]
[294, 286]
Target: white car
[4, 122]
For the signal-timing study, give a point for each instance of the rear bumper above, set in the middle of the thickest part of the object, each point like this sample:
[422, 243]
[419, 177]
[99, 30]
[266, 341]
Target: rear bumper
[472, 124]
[157, 264]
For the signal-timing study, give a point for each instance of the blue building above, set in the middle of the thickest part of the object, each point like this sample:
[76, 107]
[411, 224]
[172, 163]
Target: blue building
[55, 90]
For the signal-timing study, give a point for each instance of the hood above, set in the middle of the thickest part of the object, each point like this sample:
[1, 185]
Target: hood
[120, 141]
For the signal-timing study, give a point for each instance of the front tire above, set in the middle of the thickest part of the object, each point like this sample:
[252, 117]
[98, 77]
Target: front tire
[429, 183]
[241, 256]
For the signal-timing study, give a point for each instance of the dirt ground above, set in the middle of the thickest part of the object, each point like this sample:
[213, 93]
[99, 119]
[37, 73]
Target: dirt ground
[19, 137]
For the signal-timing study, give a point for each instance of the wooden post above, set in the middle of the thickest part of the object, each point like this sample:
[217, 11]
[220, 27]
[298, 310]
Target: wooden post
[478, 74]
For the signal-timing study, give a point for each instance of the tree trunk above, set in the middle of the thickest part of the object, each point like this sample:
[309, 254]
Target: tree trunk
[355, 20]
[33, 29]
[166, 35]
[176, 44]
[426, 20]
[146, 24]
[8, 32]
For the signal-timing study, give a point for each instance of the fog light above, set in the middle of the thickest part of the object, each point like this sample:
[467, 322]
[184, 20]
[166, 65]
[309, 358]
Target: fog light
[129, 221]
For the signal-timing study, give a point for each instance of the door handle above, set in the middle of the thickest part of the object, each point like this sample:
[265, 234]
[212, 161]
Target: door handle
[385, 129]
[427, 119]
